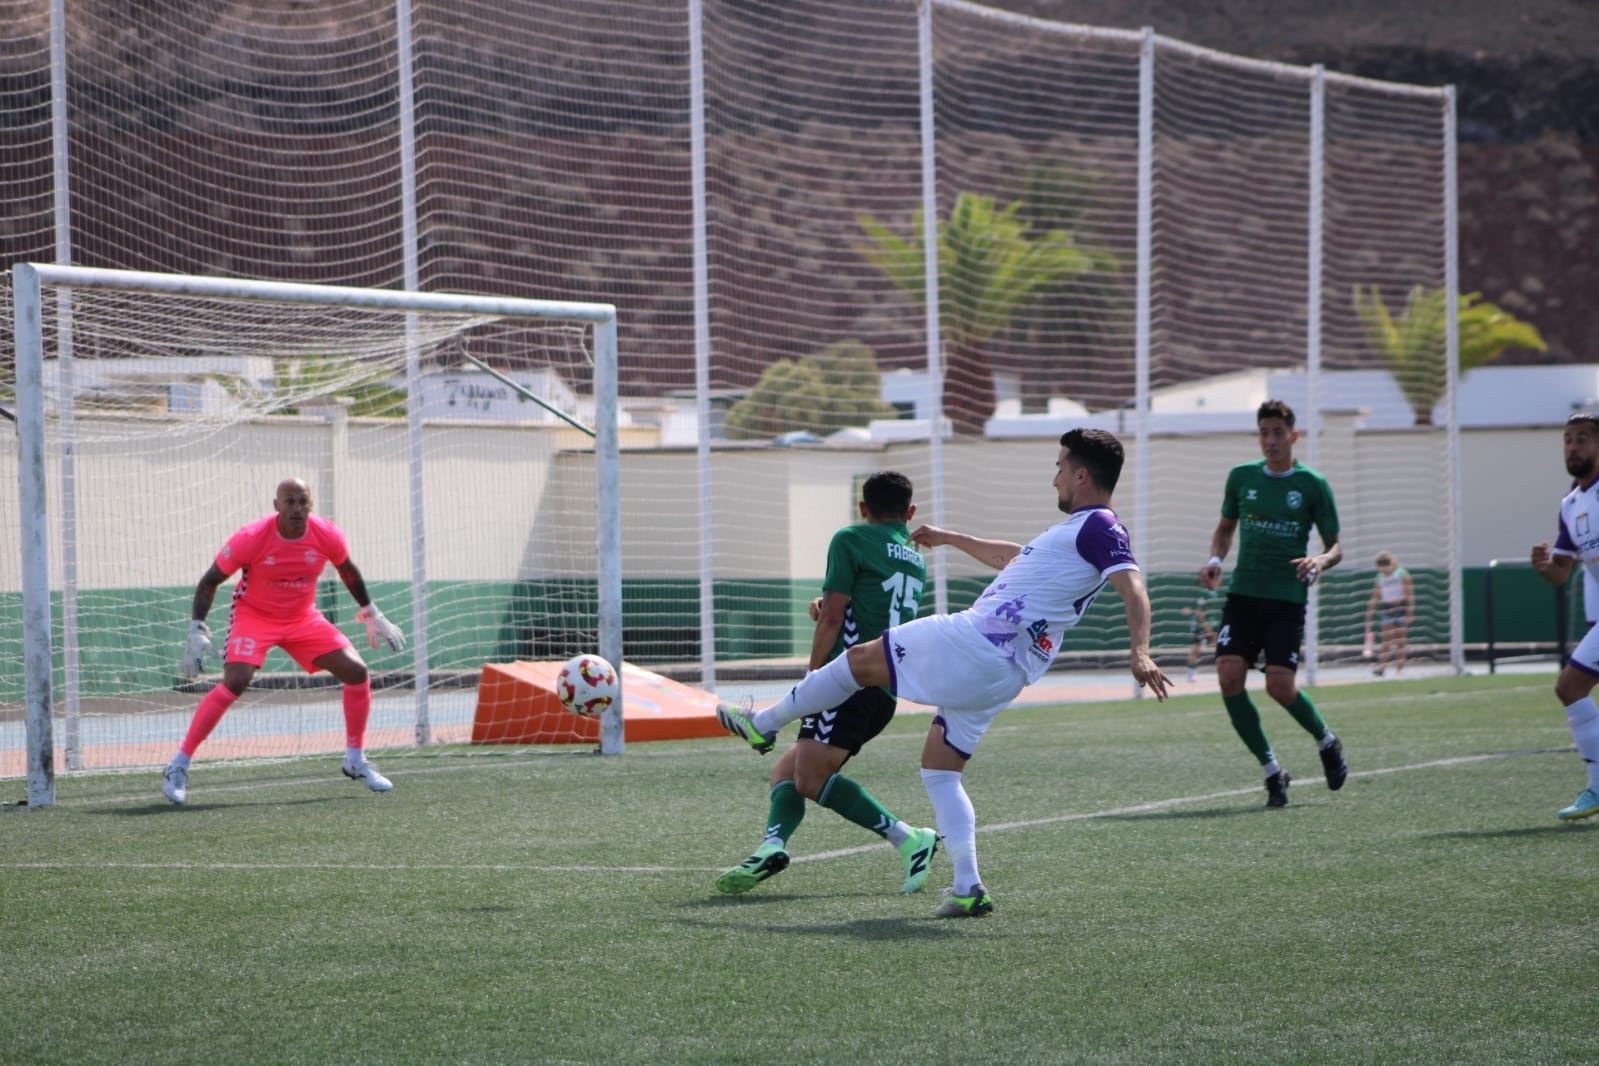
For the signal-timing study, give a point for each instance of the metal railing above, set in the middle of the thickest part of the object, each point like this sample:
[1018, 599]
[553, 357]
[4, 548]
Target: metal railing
[1490, 630]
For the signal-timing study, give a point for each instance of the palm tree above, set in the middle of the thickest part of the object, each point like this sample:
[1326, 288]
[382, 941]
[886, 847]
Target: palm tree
[1086, 318]
[1414, 344]
[989, 267]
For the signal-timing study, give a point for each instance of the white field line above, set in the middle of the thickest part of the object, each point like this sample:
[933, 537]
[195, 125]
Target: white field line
[1178, 801]
[999, 827]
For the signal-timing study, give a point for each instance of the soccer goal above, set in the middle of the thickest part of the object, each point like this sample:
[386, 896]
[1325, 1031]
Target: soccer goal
[466, 445]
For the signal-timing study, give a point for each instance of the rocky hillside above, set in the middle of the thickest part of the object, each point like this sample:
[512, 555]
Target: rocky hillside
[1527, 82]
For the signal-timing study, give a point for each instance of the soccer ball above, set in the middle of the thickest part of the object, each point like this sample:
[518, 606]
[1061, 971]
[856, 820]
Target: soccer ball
[587, 685]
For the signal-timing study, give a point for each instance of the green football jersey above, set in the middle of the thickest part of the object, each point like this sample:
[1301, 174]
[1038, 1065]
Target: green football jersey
[879, 568]
[1275, 514]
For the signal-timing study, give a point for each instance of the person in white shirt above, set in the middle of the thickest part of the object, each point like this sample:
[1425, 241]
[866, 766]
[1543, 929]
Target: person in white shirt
[972, 663]
[1577, 543]
[1393, 606]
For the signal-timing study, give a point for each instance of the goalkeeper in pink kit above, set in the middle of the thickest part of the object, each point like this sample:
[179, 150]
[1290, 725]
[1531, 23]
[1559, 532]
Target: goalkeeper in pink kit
[279, 559]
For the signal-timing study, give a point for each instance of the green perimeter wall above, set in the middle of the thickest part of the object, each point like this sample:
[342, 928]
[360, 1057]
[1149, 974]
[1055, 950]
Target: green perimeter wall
[476, 622]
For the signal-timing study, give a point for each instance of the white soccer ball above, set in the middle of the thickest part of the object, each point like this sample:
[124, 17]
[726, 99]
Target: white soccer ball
[587, 685]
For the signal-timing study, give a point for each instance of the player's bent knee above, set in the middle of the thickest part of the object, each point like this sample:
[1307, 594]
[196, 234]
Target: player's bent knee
[867, 665]
[1281, 687]
[1231, 674]
[1573, 685]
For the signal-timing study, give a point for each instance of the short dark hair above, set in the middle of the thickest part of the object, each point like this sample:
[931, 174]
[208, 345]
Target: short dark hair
[1096, 451]
[1275, 409]
[887, 495]
[1577, 418]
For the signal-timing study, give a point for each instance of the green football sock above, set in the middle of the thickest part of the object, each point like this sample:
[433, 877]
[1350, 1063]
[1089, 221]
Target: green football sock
[1305, 714]
[853, 802]
[786, 811]
[1246, 723]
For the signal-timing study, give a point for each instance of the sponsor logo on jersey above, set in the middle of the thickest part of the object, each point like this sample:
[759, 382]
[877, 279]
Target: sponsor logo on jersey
[1043, 643]
[1272, 527]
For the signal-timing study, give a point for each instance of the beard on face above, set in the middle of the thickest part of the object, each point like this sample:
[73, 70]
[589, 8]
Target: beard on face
[1580, 467]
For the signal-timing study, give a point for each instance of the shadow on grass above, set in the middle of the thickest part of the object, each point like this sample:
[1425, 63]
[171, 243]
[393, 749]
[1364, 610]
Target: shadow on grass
[163, 807]
[1184, 813]
[1523, 831]
[899, 927]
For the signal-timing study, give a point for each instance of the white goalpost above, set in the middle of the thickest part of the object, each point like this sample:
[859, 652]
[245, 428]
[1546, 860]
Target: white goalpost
[155, 413]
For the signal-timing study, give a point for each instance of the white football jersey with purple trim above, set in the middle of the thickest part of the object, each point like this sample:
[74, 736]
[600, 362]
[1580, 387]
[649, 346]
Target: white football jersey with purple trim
[1579, 527]
[1050, 585]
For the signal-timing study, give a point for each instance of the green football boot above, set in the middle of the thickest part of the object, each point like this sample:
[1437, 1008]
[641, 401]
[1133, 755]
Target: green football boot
[768, 859]
[975, 905]
[917, 854]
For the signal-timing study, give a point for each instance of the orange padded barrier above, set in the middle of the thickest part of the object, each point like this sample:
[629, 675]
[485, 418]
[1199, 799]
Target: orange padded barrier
[516, 704]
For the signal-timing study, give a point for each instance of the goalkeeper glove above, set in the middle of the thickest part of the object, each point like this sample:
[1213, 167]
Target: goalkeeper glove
[197, 648]
[380, 628]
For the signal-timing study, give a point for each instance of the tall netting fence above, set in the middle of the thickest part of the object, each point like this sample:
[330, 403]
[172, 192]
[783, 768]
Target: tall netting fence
[1131, 233]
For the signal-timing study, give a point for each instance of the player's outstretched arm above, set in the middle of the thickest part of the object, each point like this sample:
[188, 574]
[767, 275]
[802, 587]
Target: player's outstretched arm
[378, 628]
[996, 553]
[1135, 598]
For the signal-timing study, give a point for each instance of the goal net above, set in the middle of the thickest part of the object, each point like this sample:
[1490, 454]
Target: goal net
[452, 438]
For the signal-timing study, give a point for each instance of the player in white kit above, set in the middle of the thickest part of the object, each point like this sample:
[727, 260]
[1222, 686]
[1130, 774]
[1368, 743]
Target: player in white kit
[971, 664]
[1577, 542]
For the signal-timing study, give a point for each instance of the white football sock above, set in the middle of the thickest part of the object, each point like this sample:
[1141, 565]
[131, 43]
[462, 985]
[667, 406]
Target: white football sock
[957, 824]
[1583, 717]
[818, 691]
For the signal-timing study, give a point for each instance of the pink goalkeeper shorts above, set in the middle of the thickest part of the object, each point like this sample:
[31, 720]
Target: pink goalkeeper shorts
[304, 639]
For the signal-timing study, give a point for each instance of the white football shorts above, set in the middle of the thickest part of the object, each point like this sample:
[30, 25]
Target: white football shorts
[1586, 657]
[943, 661]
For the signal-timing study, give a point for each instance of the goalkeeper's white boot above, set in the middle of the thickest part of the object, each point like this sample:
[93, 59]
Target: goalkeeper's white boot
[365, 771]
[175, 783]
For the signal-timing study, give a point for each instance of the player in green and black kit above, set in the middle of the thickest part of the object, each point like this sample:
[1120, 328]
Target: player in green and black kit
[1273, 504]
[874, 580]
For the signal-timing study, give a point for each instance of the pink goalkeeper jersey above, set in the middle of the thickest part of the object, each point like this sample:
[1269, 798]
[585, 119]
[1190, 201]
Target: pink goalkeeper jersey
[280, 575]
